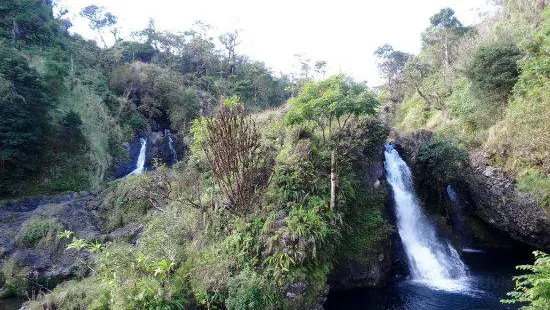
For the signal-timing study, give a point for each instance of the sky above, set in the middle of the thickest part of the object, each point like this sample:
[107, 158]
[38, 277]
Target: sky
[344, 33]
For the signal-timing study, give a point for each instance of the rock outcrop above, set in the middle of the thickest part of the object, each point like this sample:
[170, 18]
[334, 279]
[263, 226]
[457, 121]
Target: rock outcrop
[493, 195]
[374, 270]
[499, 204]
[45, 262]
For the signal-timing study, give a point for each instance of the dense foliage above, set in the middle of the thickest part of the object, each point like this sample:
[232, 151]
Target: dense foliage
[271, 248]
[485, 88]
[88, 101]
[533, 289]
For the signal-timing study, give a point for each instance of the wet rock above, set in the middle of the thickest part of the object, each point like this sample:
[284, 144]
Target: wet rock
[296, 289]
[52, 263]
[498, 203]
[493, 195]
[372, 270]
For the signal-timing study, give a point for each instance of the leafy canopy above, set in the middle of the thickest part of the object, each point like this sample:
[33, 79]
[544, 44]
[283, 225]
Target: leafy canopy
[331, 101]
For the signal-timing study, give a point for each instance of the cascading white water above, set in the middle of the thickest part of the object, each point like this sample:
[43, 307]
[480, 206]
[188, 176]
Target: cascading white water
[453, 196]
[140, 165]
[431, 261]
[171, 146]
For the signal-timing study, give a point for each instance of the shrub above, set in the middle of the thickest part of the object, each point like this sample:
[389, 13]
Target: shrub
[441, 162]
[533, 288]
[249, 290]
[83, 294]
[15, 279]
[494, 70]
[135, 280]
[234, 152]
[37, 229]
[129, 200]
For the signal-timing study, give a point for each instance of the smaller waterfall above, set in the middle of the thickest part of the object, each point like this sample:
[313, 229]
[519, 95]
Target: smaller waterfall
[453, 196]
[432, 261]
[171, 146]
[140, 165]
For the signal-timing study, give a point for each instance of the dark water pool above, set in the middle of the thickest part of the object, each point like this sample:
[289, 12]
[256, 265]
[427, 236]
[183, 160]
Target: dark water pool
[11, 303]
[490, 278]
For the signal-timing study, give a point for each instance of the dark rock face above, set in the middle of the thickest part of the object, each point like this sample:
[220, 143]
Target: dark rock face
[157, 147]
[51, 264]
[374, 267]
[45, 266]
[498, 203]
[374, 270]
[492, 195]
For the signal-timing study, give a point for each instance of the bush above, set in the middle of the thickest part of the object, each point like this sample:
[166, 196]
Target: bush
[533, 288]
[37, 229]
[85, 294]
[441, 162]
[412, 114]
[249, 290]
[130, 199]
[494, 70]
[232, 146]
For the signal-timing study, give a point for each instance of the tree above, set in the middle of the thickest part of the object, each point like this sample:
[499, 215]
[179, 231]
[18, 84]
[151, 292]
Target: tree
[31, 21]
[415, 71]
[24, 118]
[98, 20]
[444, 31]
[494, 70]
[391, 64]
[330, 104]
[230, 41]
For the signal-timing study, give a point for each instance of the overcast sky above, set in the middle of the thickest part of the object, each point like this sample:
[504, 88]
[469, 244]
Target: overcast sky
[344, 33]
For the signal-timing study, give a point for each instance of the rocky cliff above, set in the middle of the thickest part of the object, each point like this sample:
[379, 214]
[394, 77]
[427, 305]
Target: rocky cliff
[492, 194]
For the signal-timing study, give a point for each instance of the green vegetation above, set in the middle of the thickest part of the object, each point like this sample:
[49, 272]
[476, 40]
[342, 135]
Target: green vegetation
[268, 198]
[212, 240]
[493, 70]
[39, 231]
[533, 289]
[480, 90]
[485, 90]
[441, 161]
[68, 106]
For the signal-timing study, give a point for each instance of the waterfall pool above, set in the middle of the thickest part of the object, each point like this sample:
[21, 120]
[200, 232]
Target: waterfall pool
[439, 277]
[490, 277]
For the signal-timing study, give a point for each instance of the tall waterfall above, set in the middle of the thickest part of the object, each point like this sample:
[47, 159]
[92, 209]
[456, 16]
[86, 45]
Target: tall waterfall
[432, 261]
[171, 146]
[141, 158]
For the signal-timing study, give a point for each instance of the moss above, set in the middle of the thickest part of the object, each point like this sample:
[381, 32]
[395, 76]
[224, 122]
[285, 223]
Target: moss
[83, 294]
[533, 181]
[15, 279]
[39, 231]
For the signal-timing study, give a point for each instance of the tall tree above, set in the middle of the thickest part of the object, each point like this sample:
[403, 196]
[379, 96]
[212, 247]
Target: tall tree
[330, 104]
[24, 121]
[442, 34]
[99, 20]
[230, 41]
[391, 64]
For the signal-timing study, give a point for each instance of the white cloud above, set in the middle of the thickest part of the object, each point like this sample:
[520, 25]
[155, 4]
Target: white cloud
[345, 33]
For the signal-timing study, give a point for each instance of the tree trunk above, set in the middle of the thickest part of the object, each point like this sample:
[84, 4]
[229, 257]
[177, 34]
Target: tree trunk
[333, 179]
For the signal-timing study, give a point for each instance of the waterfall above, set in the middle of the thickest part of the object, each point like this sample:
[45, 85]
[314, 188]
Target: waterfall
[453, 196]
[141, 158]
[171, 146]
[432, 261]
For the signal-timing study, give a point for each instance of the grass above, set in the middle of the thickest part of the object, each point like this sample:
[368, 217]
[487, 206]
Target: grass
[39, 231]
